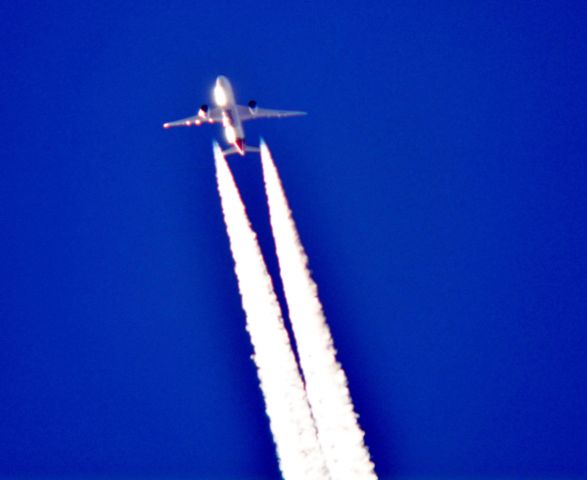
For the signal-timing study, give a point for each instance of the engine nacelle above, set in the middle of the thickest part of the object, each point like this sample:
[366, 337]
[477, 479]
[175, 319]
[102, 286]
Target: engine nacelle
[252, 107]
[203, 112]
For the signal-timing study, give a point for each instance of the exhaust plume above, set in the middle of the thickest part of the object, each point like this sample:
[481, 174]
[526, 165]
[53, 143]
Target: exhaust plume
[339, 433]
[290, 417]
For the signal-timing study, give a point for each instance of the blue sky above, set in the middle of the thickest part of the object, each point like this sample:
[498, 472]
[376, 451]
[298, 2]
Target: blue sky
[438, 184]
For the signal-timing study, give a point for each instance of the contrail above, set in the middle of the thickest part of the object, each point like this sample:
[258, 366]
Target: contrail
[339, 433]
[298, 450]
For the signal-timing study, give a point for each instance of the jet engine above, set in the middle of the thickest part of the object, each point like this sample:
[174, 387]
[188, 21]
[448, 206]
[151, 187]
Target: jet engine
[203, 112]
[252, 107]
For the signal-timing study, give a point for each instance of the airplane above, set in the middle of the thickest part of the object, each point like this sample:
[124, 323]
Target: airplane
[231, 115]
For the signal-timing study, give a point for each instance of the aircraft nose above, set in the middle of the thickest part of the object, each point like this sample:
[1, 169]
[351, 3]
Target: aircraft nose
[221, 80]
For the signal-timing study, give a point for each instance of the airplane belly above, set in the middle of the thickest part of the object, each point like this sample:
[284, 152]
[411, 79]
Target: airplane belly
[240, 131]
[237, 124]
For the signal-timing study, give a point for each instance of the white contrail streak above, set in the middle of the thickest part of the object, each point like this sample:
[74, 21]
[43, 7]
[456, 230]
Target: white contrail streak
[290, 417]
[339, 433]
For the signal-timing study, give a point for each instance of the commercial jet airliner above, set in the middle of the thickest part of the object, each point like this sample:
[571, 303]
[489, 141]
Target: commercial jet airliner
[231, 115]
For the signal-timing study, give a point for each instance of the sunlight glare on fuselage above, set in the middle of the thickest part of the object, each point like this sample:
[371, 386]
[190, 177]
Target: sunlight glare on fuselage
[219, 96]
[230, 134]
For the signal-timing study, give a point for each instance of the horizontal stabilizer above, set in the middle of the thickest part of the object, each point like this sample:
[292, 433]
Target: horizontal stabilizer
[233, 150]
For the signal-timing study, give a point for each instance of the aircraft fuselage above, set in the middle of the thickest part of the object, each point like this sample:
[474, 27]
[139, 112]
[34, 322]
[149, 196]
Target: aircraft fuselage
[231, 122]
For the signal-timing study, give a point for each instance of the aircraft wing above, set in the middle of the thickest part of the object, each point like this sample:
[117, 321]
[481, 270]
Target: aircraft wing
[245, 113]
[214, 116]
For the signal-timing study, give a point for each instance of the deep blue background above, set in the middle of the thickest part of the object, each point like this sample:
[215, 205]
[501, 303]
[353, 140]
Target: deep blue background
[439, 185]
